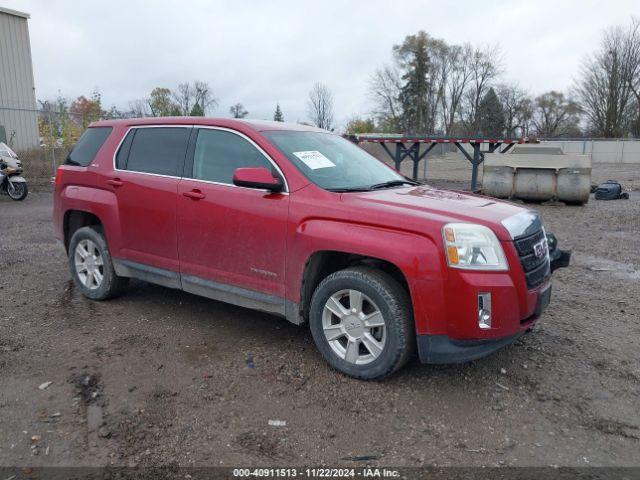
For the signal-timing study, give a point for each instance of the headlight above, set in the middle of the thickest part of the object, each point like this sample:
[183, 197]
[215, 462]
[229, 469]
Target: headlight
[473, 247]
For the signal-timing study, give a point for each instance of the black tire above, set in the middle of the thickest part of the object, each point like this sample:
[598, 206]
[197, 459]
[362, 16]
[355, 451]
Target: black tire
[111, 284]
[393, 302]
[20, 193]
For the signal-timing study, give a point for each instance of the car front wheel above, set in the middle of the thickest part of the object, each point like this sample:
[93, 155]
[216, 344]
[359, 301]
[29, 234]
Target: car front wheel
[361, 322]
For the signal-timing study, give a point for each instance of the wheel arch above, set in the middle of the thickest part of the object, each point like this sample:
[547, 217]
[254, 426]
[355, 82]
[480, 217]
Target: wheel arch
[74, 220]
[323, 263]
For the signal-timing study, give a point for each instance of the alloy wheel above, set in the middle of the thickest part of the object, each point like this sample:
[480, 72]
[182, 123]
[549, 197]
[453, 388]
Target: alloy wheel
[89, 264]
[354, 327]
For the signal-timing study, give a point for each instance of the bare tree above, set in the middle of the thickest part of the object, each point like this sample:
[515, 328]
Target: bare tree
[556, 116]
[486, 66]
[457, 79]
[633, 53]
[518, 109]
[238, 111]
[183, 97]
[384, 88]
[139, 108]
[203, 96]
[320, 106]
[440, 71]
[609, 80]
[189, 96]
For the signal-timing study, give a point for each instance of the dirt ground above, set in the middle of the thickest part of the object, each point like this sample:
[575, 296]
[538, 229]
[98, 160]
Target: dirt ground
[160, 377]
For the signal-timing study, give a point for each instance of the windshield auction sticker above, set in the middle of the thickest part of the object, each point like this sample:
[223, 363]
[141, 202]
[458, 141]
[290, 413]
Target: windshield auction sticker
[314, 159]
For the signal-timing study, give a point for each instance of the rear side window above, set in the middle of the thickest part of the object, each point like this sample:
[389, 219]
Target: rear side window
[218, 153]
[86, 148]
[155, 150]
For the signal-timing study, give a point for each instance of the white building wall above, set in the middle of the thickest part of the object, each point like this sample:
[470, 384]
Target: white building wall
[17, 89]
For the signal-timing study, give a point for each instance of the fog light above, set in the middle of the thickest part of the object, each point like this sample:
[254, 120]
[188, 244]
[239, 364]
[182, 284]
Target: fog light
[484, 310]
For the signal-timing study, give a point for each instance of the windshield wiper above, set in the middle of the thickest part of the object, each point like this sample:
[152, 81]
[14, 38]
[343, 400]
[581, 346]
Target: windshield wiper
[354, 189]
[392, 183]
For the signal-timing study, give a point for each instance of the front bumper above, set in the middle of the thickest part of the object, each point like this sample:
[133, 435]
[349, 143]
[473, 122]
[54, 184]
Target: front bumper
[443, 349]
[478, 312]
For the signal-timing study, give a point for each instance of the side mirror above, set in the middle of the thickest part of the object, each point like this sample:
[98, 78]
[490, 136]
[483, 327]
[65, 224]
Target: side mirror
[257, 177]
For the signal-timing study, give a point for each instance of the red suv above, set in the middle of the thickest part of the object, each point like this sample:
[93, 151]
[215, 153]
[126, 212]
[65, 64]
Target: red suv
[301, 223]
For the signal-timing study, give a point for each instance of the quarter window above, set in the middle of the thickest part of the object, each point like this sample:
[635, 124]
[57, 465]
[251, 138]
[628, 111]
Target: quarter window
[219, 152]
[87, 146]
[156, 150]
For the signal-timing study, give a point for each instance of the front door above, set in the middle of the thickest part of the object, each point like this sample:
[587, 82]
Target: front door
[231, 240]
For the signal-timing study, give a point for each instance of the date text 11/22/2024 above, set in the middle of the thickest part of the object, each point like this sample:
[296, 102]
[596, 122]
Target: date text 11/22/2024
[365, 472]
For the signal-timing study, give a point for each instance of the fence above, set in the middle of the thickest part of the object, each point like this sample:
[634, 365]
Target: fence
[57, 133]
[620, 150]
[602, 150]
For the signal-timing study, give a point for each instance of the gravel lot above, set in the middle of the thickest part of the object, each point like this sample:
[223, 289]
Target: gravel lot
[160, 377]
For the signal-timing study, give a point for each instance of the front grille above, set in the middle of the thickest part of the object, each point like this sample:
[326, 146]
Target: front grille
[536, 270]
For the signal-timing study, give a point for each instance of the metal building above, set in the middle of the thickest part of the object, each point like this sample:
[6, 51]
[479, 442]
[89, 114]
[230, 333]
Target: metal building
[18, 121]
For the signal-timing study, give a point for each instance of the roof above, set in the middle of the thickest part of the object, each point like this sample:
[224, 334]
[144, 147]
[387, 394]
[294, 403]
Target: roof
[15, 13]
[394, 138]
[258, 125]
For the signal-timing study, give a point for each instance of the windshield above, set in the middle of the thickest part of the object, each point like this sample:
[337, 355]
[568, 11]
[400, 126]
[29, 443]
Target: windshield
[5, 151]
[333, 163]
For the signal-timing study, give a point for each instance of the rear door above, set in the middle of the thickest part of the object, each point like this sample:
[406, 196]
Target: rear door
[229, 235]
[149, 165]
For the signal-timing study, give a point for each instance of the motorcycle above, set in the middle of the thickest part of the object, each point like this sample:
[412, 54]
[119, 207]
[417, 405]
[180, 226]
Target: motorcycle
[11, 180]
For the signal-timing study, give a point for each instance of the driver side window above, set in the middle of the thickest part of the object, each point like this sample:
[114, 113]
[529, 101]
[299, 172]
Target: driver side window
[219, 152]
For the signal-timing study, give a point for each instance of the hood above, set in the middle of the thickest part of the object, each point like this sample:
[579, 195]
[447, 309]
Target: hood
[434, 205]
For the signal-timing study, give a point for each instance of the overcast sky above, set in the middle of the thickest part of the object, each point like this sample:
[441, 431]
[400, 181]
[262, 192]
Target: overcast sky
[263, 52]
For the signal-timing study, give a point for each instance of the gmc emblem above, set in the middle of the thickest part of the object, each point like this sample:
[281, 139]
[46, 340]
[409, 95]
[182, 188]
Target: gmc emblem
[541, 248]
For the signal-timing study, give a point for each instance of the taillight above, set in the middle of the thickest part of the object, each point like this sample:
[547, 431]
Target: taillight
[58, 178]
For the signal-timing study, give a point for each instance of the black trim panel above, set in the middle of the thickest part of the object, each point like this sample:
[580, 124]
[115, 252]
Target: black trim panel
[160, 276]
[232, 294]
[223, 292]
[442, 349]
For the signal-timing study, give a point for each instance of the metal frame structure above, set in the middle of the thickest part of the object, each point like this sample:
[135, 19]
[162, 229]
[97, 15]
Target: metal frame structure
[412, 151]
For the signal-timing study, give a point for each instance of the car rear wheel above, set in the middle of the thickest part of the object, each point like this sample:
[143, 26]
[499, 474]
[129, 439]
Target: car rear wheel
[362, 323]
[91, 266]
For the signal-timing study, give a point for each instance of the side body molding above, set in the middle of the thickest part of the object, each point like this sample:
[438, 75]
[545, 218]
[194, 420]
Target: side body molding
[234, 295]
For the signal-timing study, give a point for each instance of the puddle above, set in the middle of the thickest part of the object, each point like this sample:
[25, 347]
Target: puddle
[621, 270]
[197, 353]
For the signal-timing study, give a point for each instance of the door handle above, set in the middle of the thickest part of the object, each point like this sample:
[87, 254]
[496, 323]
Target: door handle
[115, 182]
[194, 194]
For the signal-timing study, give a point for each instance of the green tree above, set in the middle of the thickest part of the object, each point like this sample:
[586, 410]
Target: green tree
[161, 103]
[491, 122]
[360, 125]
[197, 111]
[413, 57]
[278, 116]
